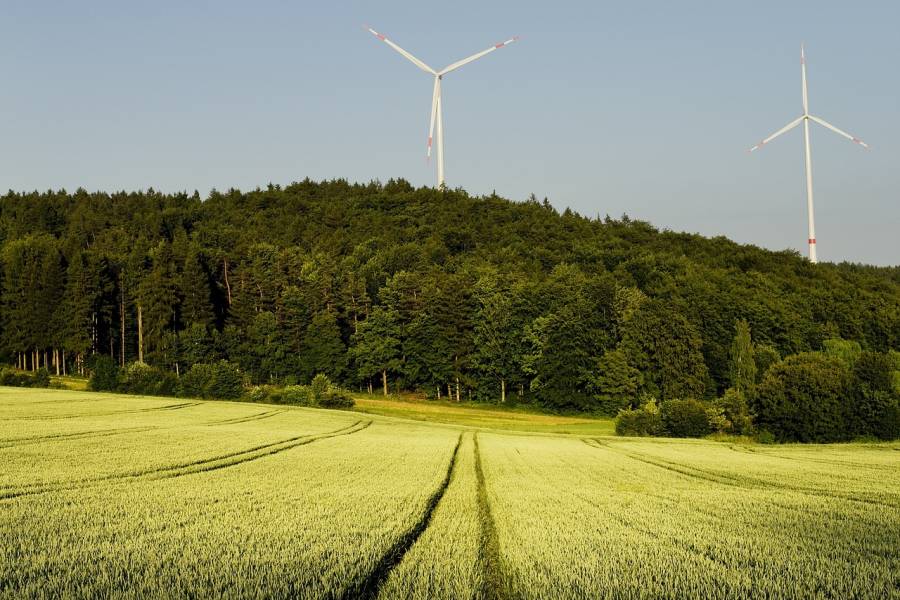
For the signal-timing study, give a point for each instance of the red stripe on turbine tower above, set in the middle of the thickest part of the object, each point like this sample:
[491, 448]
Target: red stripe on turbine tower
[812, 240]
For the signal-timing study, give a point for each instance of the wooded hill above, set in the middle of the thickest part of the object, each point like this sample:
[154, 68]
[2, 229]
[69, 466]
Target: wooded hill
[415, 289]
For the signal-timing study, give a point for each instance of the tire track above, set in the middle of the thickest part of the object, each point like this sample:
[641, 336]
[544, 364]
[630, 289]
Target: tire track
[63, 437]
[668, 466]
[255, 417]
[494, 582]
[825, 461]
[103, 414]
[22, 441]
[189, 468]
[657, 536]
[743, 482]
[369, 587]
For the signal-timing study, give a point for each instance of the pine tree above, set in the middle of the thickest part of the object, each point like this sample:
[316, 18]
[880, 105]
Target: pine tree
[194, 289]
[666, 347]
[157, 300]
[616, 383]
[322, 350]
[79, 304]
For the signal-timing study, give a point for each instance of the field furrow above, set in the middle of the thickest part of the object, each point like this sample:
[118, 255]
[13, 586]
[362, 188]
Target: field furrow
[370, 586]
[294, 525]
[448, 559]
[179, 470]
[691, 536]
[857, 485]
[176, 406]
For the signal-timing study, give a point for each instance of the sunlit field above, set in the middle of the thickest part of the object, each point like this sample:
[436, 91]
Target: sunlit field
[106, 495]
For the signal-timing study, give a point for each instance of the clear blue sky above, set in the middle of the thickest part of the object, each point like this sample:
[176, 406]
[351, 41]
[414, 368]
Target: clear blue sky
[645, 108]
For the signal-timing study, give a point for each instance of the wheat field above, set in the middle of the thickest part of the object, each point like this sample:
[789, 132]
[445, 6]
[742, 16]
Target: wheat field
[123, 496]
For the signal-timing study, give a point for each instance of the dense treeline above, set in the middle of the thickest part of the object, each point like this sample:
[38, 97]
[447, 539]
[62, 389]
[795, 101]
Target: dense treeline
[391, 287]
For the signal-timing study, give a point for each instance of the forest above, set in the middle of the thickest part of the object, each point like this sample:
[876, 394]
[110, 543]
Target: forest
[388, 288]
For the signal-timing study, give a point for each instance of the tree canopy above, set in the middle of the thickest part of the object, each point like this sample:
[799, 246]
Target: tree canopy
[431, 290]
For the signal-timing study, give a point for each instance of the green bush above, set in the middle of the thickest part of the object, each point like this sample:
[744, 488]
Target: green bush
[221, 380]
[327, 395]
[320, 393]
[296, 394]
[717, 421]
[259, 393]
[765, 437]
[319, 387]
[685, 418]
[336, 397]
[804, 398]
[14, 378]
[141, 378]
[734, 408]
[228, 381]
[874, 401]
[196, 383]
[642, 421]
[104, 374]
[41, 378]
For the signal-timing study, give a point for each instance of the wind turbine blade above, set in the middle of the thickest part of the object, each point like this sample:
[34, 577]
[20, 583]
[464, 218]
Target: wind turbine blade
[466, 61]
[408, 56]
[803, 77]
[434, 105]
[838, 131]
[784, 129]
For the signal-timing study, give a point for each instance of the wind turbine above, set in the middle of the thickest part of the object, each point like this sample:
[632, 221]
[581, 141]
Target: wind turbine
[805, 118]
[436, 94]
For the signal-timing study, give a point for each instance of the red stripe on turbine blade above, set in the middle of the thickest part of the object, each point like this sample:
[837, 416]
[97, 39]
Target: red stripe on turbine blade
[500, 45]
[379, 36]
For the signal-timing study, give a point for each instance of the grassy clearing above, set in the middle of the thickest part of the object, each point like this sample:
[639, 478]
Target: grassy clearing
[488, 417]
[110, 496]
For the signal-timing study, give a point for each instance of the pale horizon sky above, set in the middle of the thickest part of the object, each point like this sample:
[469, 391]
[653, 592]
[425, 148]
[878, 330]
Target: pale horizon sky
[644, 108]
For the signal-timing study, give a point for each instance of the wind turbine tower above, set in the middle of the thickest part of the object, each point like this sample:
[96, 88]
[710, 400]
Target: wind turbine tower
[436, 107]
[805, 118]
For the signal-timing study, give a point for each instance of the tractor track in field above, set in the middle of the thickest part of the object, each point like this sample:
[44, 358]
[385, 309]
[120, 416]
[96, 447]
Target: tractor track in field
[79, 435]
[199, 466]
[824, 461]
[654, 535]
[34, 402]
[63, 437]
[104, 414]
[370, 586]
[743, 482]
[494, 581]
[255, 417]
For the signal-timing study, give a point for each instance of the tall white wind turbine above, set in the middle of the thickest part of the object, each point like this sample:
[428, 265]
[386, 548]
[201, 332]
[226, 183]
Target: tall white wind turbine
[436, 109]
[805, 118]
